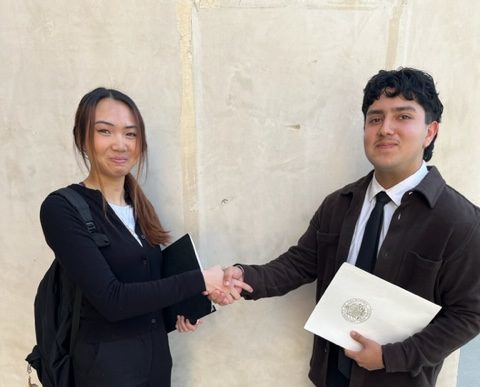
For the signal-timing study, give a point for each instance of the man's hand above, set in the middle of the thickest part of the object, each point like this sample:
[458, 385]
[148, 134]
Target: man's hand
[233, 281]
[370, 356]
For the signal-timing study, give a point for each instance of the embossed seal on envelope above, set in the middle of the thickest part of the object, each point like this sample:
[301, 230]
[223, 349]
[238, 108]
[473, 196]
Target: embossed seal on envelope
[356, 310]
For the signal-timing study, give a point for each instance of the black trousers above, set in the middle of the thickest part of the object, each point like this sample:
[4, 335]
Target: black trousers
[334, 377]
[139, 361]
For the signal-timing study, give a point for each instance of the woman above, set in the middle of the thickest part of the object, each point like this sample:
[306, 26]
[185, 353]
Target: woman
[122, 340]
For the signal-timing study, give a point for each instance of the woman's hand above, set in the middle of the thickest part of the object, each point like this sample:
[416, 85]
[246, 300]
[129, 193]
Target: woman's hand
[213, 278]
[224, 287]
[232, 279]
[185, 326]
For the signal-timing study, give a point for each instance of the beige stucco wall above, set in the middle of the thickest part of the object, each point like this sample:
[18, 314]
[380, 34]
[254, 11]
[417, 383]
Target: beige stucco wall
[253, 116]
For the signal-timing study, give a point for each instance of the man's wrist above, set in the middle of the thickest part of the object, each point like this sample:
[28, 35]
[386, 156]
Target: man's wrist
[240, 267]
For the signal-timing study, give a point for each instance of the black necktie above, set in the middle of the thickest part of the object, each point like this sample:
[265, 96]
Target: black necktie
[366, 258]
[367, 254]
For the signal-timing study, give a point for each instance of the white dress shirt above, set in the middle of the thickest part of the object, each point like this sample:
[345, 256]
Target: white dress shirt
[395, 193]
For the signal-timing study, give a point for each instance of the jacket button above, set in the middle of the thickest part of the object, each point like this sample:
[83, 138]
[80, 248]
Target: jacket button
[154, 320]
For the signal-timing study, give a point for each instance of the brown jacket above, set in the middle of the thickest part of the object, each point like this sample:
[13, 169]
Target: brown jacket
[432, 248]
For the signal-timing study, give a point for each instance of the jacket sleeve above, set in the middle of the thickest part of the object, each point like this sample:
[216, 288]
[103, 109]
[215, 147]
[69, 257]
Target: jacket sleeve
[84, 263]
[290, 270]
[457, 322]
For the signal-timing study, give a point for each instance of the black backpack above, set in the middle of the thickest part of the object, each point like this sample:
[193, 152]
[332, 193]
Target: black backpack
[57, 310]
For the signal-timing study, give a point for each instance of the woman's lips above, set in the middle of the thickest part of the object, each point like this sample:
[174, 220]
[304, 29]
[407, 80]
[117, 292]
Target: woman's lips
[119, 160]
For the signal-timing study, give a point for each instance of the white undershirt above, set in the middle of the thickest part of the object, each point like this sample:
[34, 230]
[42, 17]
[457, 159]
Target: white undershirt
[395, 193]
[125, 213]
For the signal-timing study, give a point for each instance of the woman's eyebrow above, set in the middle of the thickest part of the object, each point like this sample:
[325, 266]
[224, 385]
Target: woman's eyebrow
[133, 126]
[103, 122]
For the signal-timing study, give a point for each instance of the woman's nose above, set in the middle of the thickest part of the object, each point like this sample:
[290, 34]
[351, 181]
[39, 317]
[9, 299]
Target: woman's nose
[119, 143]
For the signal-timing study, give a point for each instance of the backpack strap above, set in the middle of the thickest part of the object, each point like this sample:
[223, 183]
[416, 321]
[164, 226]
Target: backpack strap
[79, 203]
[101, 240]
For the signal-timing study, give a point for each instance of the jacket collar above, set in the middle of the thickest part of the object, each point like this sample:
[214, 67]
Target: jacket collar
[360, 186]
[431, 187]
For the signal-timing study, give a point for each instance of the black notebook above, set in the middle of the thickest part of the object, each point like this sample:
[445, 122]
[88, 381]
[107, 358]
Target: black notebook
[179, 257]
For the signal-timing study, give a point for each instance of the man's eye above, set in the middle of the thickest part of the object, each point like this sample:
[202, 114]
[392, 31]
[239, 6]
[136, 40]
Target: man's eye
[405, 117]
[374, 121]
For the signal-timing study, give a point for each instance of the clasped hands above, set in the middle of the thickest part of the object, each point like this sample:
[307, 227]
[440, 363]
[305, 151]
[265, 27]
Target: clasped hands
[223, 286]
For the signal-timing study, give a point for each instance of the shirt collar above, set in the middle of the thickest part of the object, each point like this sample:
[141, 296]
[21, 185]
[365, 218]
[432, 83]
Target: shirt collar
[397, 191]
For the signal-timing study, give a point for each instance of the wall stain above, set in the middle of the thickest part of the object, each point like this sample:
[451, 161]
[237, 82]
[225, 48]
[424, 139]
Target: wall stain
[187, 119]
[300, 4]
[394, 33]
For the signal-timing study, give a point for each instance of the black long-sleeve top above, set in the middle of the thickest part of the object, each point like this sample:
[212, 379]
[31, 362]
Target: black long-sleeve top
[122, 285]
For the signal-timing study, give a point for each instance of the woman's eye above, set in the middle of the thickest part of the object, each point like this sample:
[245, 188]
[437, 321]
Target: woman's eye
[103, 131]
[132, 134]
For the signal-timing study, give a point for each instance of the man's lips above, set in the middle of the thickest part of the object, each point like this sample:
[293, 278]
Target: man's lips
[385, 144]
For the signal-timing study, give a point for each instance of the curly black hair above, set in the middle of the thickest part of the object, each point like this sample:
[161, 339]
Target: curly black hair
[411, 84]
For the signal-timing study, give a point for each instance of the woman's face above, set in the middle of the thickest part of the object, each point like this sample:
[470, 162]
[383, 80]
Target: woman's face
[115, 143]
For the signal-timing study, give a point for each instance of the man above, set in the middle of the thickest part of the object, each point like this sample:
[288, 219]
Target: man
[429, 242]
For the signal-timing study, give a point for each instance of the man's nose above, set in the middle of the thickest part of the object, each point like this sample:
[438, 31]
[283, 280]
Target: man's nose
[388, 126]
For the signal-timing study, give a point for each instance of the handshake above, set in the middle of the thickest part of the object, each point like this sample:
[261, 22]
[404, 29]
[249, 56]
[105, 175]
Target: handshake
[224, 286]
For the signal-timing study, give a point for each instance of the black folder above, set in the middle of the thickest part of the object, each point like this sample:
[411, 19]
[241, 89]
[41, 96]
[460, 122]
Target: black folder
[179, 257]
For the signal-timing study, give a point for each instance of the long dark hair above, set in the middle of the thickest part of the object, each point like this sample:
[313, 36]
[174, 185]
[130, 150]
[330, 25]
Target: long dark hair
[83, 131]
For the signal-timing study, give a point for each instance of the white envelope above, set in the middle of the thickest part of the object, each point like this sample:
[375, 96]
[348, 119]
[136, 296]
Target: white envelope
[360, 301]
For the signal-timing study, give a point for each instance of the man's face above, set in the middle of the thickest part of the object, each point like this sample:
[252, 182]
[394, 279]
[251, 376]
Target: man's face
[395, 135]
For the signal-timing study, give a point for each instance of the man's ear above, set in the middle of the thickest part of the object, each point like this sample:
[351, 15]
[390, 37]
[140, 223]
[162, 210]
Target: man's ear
[432, 131]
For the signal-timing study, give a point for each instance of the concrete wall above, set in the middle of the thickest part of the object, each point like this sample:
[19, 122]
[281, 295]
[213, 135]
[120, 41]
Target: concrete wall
[253, 116]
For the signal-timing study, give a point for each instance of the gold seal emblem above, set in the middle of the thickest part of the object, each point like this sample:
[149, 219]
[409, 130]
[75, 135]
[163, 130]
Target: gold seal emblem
[356, 310]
